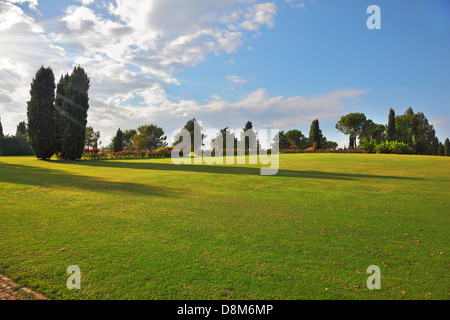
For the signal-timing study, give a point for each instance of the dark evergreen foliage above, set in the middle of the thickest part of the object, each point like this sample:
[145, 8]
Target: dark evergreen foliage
[73, 114]
[40, 112]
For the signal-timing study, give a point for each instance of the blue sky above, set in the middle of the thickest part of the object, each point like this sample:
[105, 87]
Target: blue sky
[280, 64]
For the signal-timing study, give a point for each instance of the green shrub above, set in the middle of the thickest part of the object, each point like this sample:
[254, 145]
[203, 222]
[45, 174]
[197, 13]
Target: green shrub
[394, 147]
[368, 145]
[401, 148]
[383, 147]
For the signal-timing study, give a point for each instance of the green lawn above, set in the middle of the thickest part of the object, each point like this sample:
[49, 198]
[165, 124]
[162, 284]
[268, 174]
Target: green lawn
[148, 229]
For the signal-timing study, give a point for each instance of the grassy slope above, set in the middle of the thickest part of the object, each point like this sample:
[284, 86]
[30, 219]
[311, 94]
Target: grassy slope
[147, 229]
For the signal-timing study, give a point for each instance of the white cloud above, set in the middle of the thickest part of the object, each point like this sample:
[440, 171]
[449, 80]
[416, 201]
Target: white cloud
[260, 14]
[296, 3]
[85, 2]
[236, 79]
[133, 53]
[24, 49]
[32, 4]
[263, 110]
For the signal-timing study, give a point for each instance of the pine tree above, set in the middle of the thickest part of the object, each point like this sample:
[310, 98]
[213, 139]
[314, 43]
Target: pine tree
[73, 115]
[447, 148]
[391, 134]
[40, 112]
[352, 124]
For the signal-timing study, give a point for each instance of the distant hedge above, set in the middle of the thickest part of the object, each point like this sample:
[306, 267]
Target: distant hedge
[15, 146]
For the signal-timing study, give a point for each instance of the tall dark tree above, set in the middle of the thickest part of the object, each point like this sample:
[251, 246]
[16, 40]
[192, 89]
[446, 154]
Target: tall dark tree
[40, 112]
[251, 142]
[391, 132]
[315, 135]
[73, 117]
[1, 129]
[60, 97]
[447, 148]
[118, 141]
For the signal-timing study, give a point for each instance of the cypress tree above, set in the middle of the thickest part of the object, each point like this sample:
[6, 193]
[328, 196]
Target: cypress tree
[73, 115]
[315, 134]
[59, 99]
[446, 148]
[391, 126]
[118, 141]
[40, 112]
[249, 126]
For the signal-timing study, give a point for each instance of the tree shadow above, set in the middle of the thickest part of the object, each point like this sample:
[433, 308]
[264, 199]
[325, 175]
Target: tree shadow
[234, 170]
[50, 178]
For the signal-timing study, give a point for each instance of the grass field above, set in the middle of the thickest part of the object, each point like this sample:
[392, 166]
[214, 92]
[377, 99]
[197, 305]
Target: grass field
[148, 229]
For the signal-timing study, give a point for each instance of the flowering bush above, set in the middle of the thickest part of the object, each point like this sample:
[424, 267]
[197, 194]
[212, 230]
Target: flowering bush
[311, 150]
[128, 154]
[87, 151]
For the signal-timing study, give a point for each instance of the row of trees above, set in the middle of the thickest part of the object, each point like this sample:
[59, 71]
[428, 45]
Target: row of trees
[57, 123]
[410, 128]
[146, 137]
[295, 139]
[151, 137]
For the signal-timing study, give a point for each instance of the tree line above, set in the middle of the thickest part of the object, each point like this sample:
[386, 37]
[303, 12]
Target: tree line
[57, 125]
[151, 137]
[412, 130]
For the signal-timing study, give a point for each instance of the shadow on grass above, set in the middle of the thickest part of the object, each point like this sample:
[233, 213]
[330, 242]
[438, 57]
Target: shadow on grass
[235, 170]
[50, 178]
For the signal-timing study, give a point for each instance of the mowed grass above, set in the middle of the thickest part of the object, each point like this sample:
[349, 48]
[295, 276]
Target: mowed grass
[148, 229]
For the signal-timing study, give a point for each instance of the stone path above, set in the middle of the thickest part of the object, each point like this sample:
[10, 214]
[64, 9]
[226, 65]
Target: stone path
[12, 291]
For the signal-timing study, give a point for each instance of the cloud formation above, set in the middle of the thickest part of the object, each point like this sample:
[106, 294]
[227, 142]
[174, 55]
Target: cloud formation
[133, 50]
